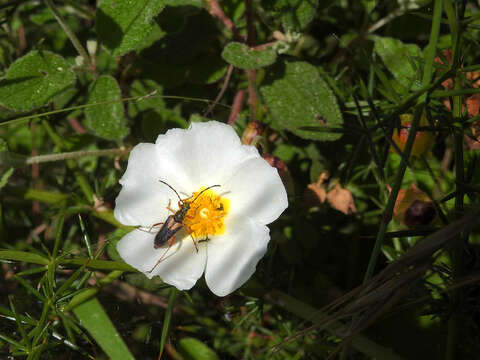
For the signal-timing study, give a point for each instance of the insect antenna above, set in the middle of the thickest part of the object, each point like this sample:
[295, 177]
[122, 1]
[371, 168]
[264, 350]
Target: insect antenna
[163, 182]
[200, 193]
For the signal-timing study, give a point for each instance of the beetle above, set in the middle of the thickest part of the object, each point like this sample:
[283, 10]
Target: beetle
[174, 222]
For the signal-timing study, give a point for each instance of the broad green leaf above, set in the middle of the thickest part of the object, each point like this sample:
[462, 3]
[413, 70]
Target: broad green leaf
[34, 79]
[123, 25]
[241, 56]
[298, 97]
[295, 14]
[196, 3]
[400, 58]
[194, 349]
[106, 119]
[93, 318]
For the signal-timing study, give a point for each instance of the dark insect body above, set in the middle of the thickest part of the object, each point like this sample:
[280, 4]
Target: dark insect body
[172, 225]
[174, 222]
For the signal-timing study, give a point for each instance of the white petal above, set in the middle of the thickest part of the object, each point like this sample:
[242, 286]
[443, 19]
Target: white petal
[255, 190]
[143, 198]
[233, 257]
[208, 152]
[181, 267]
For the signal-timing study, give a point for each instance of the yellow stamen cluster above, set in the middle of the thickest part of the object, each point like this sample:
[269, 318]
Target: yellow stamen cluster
[206, 215]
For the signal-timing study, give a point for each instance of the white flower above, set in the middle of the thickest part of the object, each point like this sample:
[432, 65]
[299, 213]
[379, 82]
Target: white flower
[228, 222]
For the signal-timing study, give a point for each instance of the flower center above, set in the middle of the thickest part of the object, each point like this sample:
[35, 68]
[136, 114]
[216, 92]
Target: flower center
[206, 214]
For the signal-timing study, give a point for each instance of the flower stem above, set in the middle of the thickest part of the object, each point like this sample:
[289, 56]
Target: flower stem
[75, 155]
[79, 177]
[387, 214]
[427, 77]
[71, 35]
[457, 254]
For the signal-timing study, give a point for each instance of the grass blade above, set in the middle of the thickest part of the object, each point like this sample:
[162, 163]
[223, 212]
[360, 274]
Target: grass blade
[98, 324]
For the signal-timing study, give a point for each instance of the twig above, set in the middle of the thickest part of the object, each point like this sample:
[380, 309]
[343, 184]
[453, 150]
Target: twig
[71, 35]
[222, 90]
[252, 92]
[76, 126]
[74, 155]
[236, 106]
[250, 28]
[216, 11]
[251, 74]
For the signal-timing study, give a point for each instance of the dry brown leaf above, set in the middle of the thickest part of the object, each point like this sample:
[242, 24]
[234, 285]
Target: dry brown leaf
[342, 200]
[473, 105]
[318, 188]
[339, 198]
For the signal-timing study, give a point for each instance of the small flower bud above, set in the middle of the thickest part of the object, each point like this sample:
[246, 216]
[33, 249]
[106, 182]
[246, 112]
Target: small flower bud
[252, 131]
[282, 171]
[420, 213]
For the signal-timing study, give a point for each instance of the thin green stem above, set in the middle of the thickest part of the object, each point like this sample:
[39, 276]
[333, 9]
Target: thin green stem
[88, 293]
[387, 214]
[427, 78]
[75, 155]
[36, 117]
[79, 177]
[457, 254]
[455, 92]
[359, 341]
[71, 35]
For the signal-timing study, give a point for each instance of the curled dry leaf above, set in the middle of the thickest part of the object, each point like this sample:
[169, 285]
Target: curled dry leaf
[471, 103]
[339, 198]
[318, 188]
[342, 200]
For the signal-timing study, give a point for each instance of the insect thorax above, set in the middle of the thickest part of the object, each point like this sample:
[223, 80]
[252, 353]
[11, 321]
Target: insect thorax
[181, 213]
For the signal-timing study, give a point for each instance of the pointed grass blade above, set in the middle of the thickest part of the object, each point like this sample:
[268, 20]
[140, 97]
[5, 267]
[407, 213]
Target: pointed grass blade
[98, 324]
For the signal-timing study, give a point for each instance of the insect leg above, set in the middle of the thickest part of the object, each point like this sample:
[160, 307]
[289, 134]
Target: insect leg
[194, 242]
[151, 227]
[169, 208]
[171, 242]
[204, 240]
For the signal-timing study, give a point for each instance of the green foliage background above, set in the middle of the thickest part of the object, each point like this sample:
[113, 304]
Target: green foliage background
[81, 82]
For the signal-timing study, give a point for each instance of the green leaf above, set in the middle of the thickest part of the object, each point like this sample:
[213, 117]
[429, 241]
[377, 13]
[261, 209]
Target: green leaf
[295, 14]
[207, 70]
[46, 196]
[123, 25]
[151, 96]
[298, 97]
[98, 264]
[107, 119]
[5, 176]
[34, 79]
[167, 320]
[194, 349]
[196, 3]
[93, 318]
[400, 58]
[241, 56]
[23, 256]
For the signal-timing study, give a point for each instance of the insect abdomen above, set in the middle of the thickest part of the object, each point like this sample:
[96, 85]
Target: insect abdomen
[168, 229]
